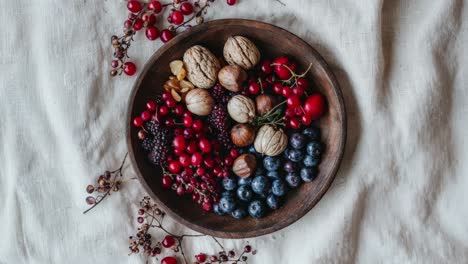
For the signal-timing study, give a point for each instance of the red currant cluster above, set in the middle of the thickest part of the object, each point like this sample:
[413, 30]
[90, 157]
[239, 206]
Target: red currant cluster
[144, 16]
[151, 216]
[196, 158]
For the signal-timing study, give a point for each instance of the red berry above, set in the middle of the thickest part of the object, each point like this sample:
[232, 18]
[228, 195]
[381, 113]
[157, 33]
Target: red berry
[281, 71]
[151, 105]
[152, 33]
[179, 142]
[254, 88]
[270, 79]
[201, 257]
[186, 8]
[170, 102]
[187, 113]
[163, 110]
[196, 158]
[128, 23]
[217, 171]
[156, 6]
[197, 125]
[115, 64]
[200, 171]
[129, 68]
[138, 24]
[166, 182]
[178, 152]
[146, 115]
[294, 123]
[179, 110]
[149, 19]
[141, 134]
[234, 153]
[293, 101]
[204, 145]
[209, 162]
[293, 67]
[134, 6]
[228, 161]
[278, 88]
[266, 66]
[299, 91]
[188, 120]
[247, 249]
[303, 83]
[231, 2]
[286, 91]
[168, 241]
[169, 260]
[177, 17]
[306, 120]
[188, 133]
[137, 121]
[192, 147]
[166, 35]
[289, 112]
[314, 106]
[180, 190]
[169, 122]
[298, 111]
[207, 206]
[184, 160]
[174, 166]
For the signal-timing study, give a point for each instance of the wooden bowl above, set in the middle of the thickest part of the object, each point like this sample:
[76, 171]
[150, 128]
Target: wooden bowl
[271, 41]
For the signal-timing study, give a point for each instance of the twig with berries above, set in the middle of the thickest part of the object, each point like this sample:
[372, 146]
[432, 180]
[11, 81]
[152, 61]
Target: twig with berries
[151, 216]
[107, 183]
[144, 16]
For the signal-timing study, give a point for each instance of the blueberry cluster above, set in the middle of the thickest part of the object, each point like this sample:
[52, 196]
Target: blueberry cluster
[274, 176]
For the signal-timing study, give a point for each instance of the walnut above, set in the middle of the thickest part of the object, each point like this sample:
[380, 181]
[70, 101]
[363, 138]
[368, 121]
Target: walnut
[241, 51]
[202, 66]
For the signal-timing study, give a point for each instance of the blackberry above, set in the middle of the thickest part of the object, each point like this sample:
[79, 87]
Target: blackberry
[219, 122]
[220, 94]
[155, 128]
[158, 146]
[148, 143]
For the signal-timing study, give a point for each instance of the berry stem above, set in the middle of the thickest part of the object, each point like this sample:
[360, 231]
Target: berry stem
[294, 75]
[198, 14]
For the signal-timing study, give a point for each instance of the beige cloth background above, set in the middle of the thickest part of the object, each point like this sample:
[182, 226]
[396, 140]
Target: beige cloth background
[400, 194]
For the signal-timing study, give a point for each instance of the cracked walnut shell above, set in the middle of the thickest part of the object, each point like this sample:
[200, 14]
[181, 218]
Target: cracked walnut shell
[241, 51]
[202, 66]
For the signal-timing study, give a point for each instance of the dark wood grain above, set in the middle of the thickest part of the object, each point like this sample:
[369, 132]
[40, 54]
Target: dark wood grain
[333, 125]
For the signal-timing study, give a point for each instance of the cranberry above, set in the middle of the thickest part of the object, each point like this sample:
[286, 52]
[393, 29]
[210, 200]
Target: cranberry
[293, 101]
[163, 110]
[177, 17]
[281, 71]
[152, 33]
[174, 166]
[129, 68]
[254, 88]
[234, 153]
[180, 190]
[303, 83]
[166, 95]
[228, 162]
[289, 112]
[166, 182]
[231, 2]
[187, 113]
[146, 115]
[170, 102]
[196, 159]
[207, 206]
[141, 134]
[169, 122]
[192, 147]
[137, 121]
[151, 105]
[169, 260]
[204, 145]
[188, 120]
[184, 160]
[314, 106]
[138, 24]
[179, 142]
[134, 6]
[299, 91]
[201, 257]
[266, 67]
[286, 91]
[278, 88]
[298, 111]
[294, 123]
[197, 125]
[186, 8]
[200, 171]
[209, 162]
[156, 6]
[306, 120]
[166, 35]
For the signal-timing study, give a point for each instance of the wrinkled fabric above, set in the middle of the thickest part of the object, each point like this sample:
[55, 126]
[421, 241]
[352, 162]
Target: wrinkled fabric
[399, 195]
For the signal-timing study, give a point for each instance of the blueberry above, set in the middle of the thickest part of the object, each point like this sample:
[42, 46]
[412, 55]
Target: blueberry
[311, 161]
[257, 209]
[239, 213]
[227, 193]
[271, 163]
[273, 174]
[273, 201]
[312, 133]
[308, 173]
[217, 209]
[227, 204]
[297, 140]
[278, 187]
[260, 184]
[244, 193]
[244, 181]
[290, 166]
[229, 184]
[293, 180]
[296, 155]
[314, 148]
[286, 153]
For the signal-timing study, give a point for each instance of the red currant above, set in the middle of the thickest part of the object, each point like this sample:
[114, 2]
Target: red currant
[184, 160]
[254, 88]
[156, 6]
[286, 91]
[129, 68]
[192, 147]
[197, 125]
[293, 101]
[115, 64]
[177, 17]
[166, 95]
[146, 115]
[152, 33]
[281, 71]
[200, 171]
[306, 120]
[169, 260]
[266, 67]
[209, 162]
[228, 161]
[188, 120]
[174, 166]
[299, 91]
[289, 112]
[166, 182]
[231, 2]
[294, 123]
[128, 23]
[186, 8]
[303, 83]
[141, 134]
[293, 67]
[278, 88]
[180, 190]
[234, 153]
[134, 6]
[168, 241]
[170, 102]
[201, 257]
[196, 159]
[166, 35]
[179, 142]
[137, 121]
[151, 105]
[179, 110]
[298, 111]
[149, 19]
[204, 145]
[138, 24]
[314, 106]
[163, 110]
[187, 113]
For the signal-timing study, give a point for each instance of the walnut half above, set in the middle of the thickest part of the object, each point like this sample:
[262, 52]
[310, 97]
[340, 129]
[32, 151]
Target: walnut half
[202, 66]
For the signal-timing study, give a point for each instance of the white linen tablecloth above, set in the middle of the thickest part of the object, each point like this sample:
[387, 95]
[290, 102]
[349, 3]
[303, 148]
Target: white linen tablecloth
[400, 194]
